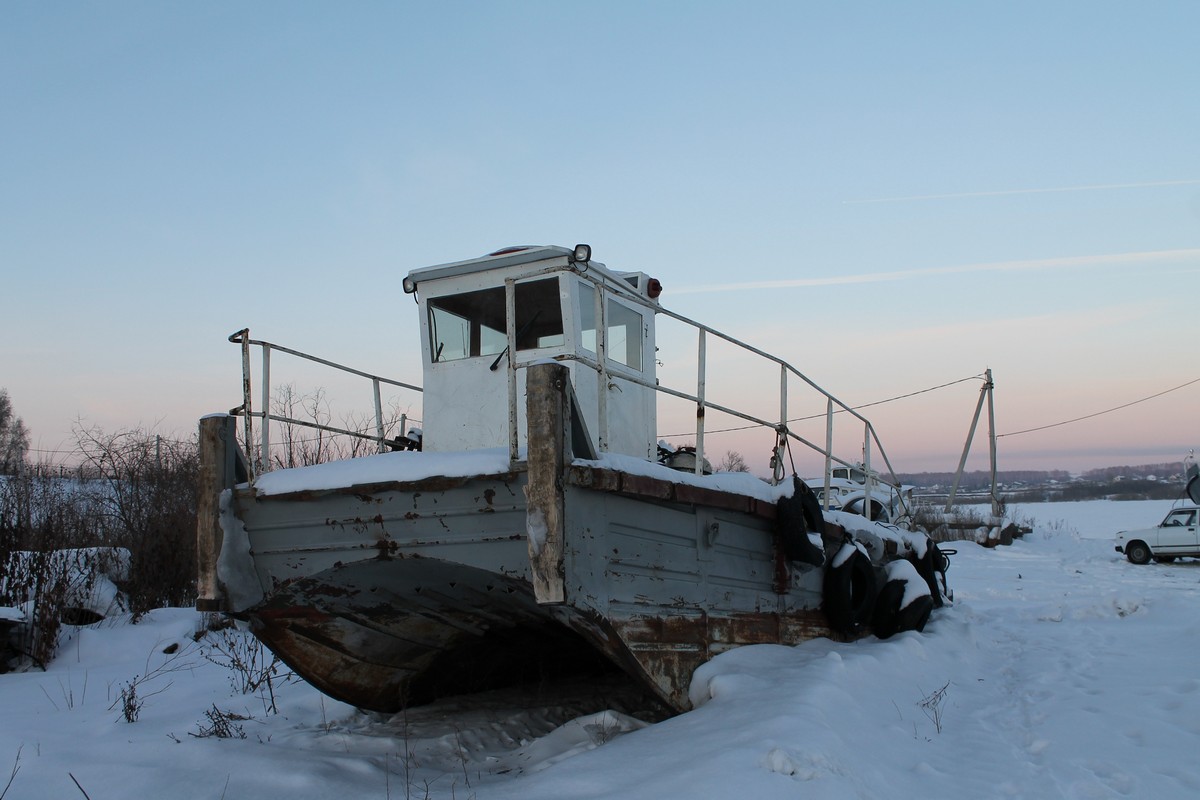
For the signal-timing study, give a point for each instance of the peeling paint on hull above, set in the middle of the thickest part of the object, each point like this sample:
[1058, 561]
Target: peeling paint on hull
[428, 595]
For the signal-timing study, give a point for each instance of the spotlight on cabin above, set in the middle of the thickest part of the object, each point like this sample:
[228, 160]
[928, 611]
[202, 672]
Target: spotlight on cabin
[583, 253]
[410, 285]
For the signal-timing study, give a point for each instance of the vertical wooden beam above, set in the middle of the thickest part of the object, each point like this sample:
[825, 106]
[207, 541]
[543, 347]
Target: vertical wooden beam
[218, 433]
[547, 388]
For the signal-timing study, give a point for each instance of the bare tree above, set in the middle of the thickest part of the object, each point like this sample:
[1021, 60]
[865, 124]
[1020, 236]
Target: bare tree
[308, 439]
[14, 438]
[732, 462]
[301, 445]
[147, 501]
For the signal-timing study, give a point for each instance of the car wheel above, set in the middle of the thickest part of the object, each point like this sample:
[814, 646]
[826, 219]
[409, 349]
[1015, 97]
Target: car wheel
[1137, 552]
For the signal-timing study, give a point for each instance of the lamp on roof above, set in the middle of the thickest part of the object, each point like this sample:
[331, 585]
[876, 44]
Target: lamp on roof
[582, 254]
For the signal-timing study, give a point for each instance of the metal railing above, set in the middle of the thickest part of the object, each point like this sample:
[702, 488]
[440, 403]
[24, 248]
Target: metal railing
[260, 461]
[781, 426]
[783, 432]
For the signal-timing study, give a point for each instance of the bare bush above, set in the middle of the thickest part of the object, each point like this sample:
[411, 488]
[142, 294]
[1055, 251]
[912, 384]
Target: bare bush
[252, 666]
[931, 704]
[59, 535]
[51, 559]
[13, 775]
[221, 725]
[310, 437]
[133, 693]
[131, 704]
[147, 504]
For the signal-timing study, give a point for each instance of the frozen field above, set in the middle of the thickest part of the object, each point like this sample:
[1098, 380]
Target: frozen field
[1061, 671]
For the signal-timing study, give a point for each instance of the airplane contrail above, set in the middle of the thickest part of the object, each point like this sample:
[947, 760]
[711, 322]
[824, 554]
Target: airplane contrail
[1003, 192]
[1068, 262]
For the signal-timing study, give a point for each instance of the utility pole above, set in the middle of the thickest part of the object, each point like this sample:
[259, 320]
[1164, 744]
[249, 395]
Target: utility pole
[985, 393]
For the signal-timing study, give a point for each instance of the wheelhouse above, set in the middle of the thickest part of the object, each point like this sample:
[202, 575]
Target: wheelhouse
[488, 318]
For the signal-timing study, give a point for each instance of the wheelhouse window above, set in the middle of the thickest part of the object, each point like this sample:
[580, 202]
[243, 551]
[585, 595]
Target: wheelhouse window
[472, 323]
[626, 331]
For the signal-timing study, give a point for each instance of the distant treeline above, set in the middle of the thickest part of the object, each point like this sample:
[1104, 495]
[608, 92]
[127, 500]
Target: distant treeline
[1167, 471]
[1143, 482]
[982, 479]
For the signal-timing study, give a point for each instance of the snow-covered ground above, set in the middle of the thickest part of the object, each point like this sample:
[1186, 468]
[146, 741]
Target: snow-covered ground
[1062, 671]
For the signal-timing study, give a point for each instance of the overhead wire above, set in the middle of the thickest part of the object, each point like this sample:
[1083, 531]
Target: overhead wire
[1100, 413]
[837, 411]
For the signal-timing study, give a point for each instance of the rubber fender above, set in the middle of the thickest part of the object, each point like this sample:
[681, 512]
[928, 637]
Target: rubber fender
[887, 606]
[794, 519]
[889, 619]
[914, 615]
[813, 516]
[928, 568]
[849, 593]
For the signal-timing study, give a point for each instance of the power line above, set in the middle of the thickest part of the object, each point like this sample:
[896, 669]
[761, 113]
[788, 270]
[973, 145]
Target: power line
[902, 396]
[1101, 413]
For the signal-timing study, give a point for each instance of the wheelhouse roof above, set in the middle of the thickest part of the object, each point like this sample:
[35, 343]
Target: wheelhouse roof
[507, 257]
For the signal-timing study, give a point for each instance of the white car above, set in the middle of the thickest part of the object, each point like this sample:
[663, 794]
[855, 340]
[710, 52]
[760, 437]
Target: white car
[1177, 535]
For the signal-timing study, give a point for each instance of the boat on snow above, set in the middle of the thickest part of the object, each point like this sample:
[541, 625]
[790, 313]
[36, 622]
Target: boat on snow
[529, 530]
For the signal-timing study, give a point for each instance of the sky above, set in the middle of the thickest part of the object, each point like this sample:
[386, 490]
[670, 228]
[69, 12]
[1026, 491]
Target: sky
[889, 196]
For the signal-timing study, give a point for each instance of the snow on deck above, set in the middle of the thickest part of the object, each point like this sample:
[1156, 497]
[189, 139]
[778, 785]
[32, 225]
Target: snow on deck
[404, 467]
[400, 467]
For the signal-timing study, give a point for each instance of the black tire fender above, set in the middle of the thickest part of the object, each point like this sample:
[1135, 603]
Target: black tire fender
[928, 568]
[796, 517]
[849, 593]
[889, 618]
[914, 615]
[814, 517]
[887, 606]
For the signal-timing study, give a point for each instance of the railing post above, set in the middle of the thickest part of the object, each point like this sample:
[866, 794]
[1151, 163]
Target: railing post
[510, 325]
[867, 470]
[700, 383]
[380, 446]
[265, 465]
[781, 438]
[828, 448]
[247, 406]
[602, 375]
